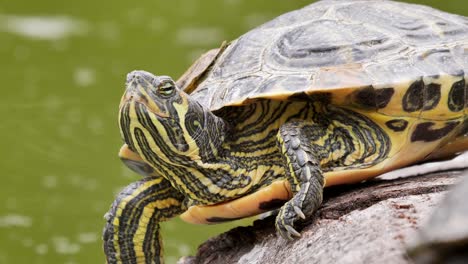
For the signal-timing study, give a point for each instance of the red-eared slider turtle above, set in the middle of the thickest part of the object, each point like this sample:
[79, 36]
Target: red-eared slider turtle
[444, 238]
[334, 93]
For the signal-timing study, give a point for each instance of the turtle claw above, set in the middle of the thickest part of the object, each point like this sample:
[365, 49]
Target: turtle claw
[292, 232]
[299, 212]
[285, 219]
[288, 232]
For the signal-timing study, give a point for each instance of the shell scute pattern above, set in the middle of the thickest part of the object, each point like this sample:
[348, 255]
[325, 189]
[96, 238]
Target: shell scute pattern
[242, 56]
[460, 55]
[338, 46]
[307, 47]
[435, 62]
[425, 25]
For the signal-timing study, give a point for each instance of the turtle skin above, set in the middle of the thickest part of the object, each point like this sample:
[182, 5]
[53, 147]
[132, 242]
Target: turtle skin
[337, 92]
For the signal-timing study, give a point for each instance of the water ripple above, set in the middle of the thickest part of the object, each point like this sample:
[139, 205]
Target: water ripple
[42, 27]
[14, 220]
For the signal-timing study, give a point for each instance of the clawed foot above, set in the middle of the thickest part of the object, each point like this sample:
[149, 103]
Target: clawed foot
[285, 219]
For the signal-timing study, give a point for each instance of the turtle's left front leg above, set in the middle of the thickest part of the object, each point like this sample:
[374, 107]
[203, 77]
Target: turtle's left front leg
[302, 165]
[132, 232]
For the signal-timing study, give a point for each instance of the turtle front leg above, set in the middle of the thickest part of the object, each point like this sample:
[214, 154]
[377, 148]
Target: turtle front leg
[131, 234]
[302, 166]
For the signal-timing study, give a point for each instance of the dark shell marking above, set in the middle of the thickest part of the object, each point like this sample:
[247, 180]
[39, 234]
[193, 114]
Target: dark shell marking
[421, 97]
[397, 125]
[424, 131]
[315, 97]
[431, 96]
[456, 98]
[372, 98]
[272, 204]
[413, 99]
[216, 219]
[383, 96]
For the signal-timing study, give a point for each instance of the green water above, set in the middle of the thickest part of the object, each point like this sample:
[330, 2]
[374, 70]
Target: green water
[62, 67]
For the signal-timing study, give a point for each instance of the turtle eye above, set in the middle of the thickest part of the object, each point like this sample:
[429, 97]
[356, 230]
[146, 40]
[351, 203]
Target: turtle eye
[166, 88]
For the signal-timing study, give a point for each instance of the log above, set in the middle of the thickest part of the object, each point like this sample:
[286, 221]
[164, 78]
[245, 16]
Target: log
[370, 222]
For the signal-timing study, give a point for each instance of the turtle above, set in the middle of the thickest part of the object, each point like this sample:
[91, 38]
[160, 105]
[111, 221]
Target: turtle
[444, 238]
[334, 93]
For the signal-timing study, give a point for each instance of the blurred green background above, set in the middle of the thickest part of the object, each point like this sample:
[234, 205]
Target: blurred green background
[63, 66]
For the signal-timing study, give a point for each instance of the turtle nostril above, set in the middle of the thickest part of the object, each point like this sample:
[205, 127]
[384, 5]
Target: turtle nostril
[144, 75]
[130, 77]
[139, 78]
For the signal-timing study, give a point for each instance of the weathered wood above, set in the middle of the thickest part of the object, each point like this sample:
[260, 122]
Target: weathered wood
[444, 238]
[371, 222]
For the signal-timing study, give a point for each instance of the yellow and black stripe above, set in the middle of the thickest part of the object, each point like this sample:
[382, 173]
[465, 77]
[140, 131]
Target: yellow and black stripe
[205, 158]
[131, 234]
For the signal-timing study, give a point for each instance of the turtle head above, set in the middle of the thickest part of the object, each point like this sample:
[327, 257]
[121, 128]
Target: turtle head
[158, 94]
[162, 123]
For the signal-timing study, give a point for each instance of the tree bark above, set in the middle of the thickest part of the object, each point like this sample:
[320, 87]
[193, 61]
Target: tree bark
[370, 222]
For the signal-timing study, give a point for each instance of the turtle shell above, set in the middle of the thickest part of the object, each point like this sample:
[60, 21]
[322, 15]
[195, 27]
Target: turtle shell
[362, 52]
[401, 66]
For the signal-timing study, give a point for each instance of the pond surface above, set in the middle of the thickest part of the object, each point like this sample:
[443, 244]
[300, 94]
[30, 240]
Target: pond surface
[63, 66]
